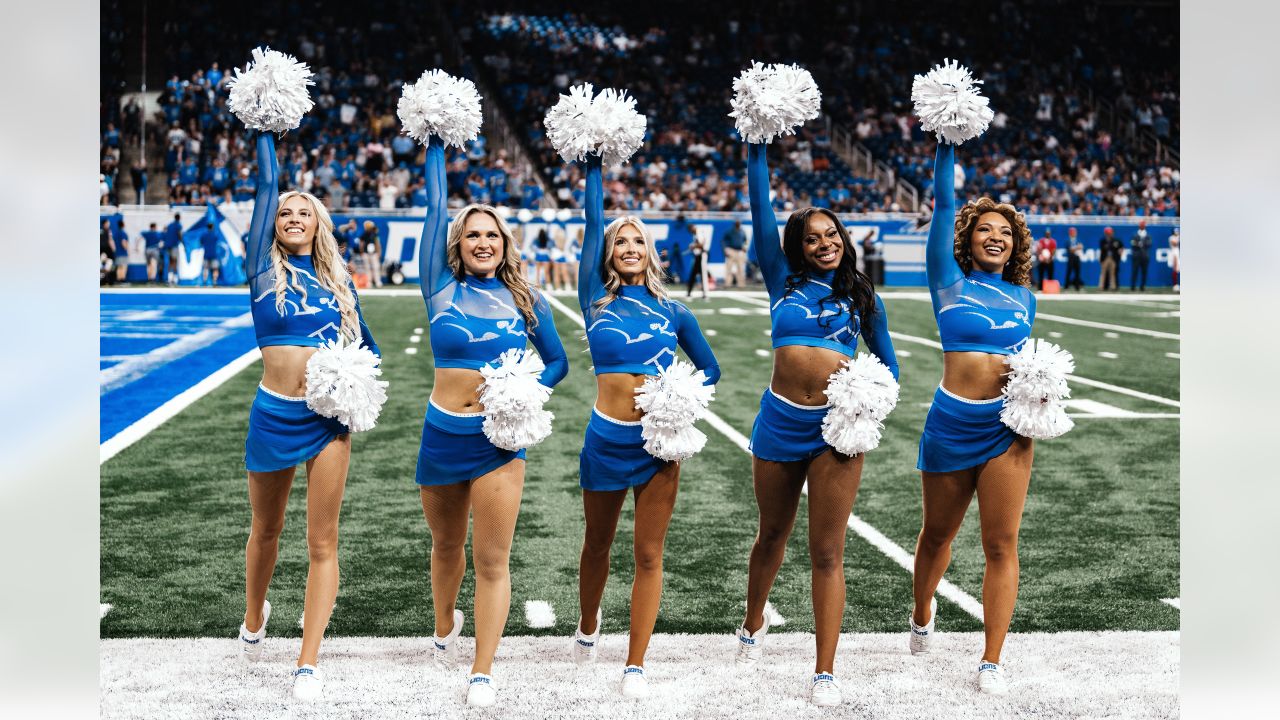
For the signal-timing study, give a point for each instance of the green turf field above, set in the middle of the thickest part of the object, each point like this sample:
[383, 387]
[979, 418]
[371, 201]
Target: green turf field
[1099, 543]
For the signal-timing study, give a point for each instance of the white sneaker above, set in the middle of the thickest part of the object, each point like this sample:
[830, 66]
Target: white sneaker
[480, 690]
[991, 679]
[825, 691]
[251, 642]
[922, 635]
[308, 684]
[634, 685]
[585, 646]
[751, 645]
[445, 648]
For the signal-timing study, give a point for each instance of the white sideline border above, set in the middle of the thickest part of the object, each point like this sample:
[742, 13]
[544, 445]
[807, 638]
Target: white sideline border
[154, 419]
[877, 539]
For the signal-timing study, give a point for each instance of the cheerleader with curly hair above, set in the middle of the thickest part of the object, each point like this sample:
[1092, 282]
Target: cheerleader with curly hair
[978, 264]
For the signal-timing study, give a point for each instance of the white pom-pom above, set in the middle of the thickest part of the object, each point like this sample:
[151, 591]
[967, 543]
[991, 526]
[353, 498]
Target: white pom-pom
[948, 103]
[1035, 389]
[442, 105]
[270, 94]
[772, 100]
[342, 383]
[513, 398]
[606, 124]
[862, 394]
[672, 401]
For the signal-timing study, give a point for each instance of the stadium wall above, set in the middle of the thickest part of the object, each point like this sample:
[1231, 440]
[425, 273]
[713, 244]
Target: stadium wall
[902, 239]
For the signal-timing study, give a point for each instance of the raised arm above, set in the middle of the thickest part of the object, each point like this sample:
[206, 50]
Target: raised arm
[547, 342]
[764, 224]
[876, 336]
[262, 228]
[695, 345]
[590, 285]
[941, 267]
[433, 265]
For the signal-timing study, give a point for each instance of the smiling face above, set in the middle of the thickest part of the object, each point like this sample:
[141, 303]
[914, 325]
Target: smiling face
[481, 245]
[630, 255]
[822, 245]
[296, 224]
[991, 242]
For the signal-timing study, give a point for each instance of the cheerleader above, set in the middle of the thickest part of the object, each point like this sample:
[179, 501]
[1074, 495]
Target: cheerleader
[633, 330]
[481, 307]
[978, 266]
[302, 297]
[998, 391]
[820, 304]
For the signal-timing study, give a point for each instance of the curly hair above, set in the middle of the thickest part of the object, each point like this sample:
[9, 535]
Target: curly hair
[1018, 269]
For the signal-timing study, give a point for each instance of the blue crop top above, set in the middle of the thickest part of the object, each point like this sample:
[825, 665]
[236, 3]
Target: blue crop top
[636, 332]
[978, 312]
[474, 320]
[310, 316]
[806, 314]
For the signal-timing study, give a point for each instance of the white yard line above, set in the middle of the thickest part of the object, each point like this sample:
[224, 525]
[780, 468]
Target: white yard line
[1175, 602]
[1107, 326]
[877, 539]
[175, 405]
[103, 609]
[127, 371]
[1073, 378]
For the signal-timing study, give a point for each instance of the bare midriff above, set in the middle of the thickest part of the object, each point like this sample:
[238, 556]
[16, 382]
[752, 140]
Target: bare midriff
[457, 390]
[800, 373]
[973, 375]
[616, 395]
[284, 369]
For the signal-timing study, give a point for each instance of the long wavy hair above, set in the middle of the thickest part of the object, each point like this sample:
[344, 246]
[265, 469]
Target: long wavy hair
[612, 280]
[510, 270]
[1018, 269]
[331, 271]
[849, 283]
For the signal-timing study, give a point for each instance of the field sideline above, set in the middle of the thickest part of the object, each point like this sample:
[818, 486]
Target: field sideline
[1099, 542]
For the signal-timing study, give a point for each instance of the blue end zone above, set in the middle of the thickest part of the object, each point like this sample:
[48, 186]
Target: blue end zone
[154, 346]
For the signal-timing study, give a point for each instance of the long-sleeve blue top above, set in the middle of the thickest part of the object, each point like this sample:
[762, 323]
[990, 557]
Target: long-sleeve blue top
[474, 320]
[978, 312]
[310, 316]
[800, 315]
[635, 332]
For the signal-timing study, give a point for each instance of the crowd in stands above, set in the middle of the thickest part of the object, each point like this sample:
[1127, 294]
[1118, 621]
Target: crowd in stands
[349, 150]
[1061, 141]
[1046, 152]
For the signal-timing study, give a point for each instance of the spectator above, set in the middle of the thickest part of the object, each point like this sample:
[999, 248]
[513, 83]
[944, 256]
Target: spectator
[1110, 249]
[696, 252]
[735, 255]
[1139, 256]
[1046, 249]
[155, 246]
[371, 253]
[173, 246]
[212, 267]
[1075, 253]
[106, 255]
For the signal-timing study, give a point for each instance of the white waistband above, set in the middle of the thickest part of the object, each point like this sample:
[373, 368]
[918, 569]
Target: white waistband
[797, 405]
[967, 401]
[615, 421]
[453, 414]
[286, 398]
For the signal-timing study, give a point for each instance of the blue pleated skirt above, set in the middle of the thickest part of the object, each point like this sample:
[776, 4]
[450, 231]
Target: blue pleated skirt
[786, 432]
[613, 455]
[960, 433]
[455, 449]
[284, 432]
